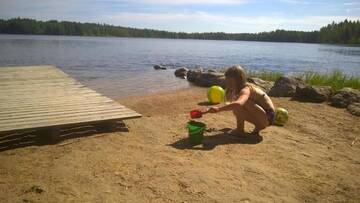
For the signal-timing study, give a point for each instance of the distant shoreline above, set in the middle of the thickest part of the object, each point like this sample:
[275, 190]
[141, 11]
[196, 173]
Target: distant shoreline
[87, 36]
[336, 33]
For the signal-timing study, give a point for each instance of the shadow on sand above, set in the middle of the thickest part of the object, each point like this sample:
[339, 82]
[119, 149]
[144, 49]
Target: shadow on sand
[223, 138]
[35, 138]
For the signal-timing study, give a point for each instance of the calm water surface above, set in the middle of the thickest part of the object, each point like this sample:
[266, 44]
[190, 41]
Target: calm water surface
[123, 66]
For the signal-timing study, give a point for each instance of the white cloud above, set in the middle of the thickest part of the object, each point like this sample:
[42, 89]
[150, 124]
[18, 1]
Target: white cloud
[201, 21]
[190, 21]
[352, 7]
[179, 2]
[351, 3]
[295, 1]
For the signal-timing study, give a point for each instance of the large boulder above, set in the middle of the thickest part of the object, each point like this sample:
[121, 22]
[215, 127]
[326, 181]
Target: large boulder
[313, 93]
[159, 67]
[209, 79]
[193, 75]
[286, 86]
[206, 79]
[354, 108]
[181, 72]
[264, 85]
[345, 96]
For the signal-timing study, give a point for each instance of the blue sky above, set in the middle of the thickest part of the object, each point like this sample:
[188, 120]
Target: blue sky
[235, 16]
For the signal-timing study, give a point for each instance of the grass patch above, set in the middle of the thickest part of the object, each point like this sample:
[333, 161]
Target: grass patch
[336, 79]
[265, 75]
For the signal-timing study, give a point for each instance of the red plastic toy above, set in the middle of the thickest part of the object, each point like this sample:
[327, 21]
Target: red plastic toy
[196, 114]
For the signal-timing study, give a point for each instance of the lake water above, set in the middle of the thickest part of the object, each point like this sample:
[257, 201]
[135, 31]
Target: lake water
[120, 67]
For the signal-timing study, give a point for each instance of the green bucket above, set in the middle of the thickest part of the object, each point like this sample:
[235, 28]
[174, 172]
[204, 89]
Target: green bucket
[196, 132]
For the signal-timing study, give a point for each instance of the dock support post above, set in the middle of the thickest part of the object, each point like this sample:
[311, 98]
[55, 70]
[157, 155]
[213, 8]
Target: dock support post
[52, 134]
[108, 126]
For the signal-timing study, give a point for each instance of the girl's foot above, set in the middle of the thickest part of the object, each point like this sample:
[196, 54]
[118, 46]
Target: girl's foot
[255, 132]
[237, 132]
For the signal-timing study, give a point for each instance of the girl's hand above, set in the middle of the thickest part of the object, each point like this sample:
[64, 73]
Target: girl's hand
[213, 110]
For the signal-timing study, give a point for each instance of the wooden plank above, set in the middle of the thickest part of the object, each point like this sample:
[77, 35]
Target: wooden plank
[62, 99]
[64, 121]
[42, 97]
[53, 102]
[39, 97]
[33, 81]
[23, 83]
[62, 114]
[37, 84]
[48, 93]
[10, 92]
[61, 111]
[32, 75]
[89, 120]
[70, 121]
[30, 107]
[43, 111]
[33, 71]
[9, 69]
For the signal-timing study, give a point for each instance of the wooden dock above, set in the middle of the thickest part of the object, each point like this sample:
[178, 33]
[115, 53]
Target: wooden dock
[46, 98]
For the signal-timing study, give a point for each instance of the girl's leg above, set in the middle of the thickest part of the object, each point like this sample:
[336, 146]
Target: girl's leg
[240, 121]
[252, 113]
[257, 115]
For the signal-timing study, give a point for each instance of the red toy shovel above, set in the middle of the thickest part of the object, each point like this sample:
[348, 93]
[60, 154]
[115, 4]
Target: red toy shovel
[197, 113]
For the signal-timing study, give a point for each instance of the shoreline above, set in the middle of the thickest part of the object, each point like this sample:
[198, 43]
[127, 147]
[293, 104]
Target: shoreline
[312, 78]
[112, 37]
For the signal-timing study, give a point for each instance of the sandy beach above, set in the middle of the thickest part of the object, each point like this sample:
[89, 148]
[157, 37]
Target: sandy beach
[314, 158]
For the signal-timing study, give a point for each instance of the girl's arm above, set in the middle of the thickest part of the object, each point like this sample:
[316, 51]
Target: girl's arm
[244, 96]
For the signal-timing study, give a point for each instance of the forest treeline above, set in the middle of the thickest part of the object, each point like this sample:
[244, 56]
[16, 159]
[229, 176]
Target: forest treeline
[345, 32]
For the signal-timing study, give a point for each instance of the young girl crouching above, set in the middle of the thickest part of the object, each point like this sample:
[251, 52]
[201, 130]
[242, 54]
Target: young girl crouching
[248, 102]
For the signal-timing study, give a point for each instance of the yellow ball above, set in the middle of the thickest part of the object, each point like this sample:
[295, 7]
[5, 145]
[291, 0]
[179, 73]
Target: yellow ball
[281, 116]
[215, 94]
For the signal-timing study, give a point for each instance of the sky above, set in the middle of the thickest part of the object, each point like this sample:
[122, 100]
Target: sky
[231, 16]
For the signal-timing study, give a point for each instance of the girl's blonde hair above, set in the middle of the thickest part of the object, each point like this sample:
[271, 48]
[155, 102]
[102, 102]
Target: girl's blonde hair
[238, 73]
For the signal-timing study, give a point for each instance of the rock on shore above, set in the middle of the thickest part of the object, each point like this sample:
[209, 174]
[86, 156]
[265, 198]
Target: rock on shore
[286, 86]
[316, 94]
[347, 98]
[206, 79]
[159, 67]
[211, 77]
[354, 109]
[181, 72]
[264, 85]
[344, 97]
